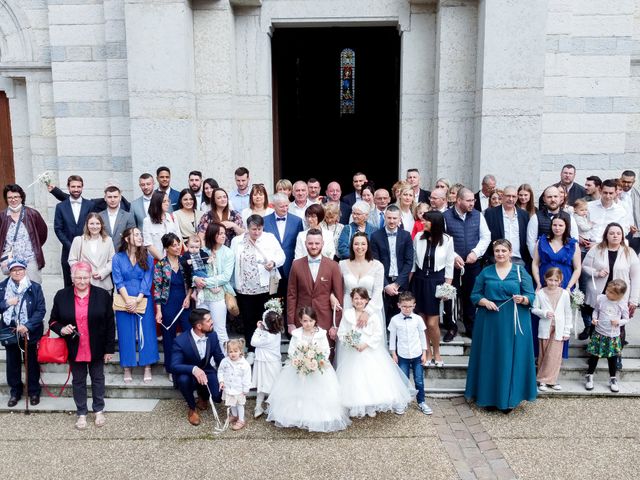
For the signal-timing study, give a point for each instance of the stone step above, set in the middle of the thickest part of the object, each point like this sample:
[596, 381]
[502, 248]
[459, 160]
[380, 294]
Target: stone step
[66, 404]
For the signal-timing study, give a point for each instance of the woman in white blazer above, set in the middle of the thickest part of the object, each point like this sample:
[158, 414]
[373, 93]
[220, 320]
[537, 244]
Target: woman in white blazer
[258, 255]
[95, 247]
[612, 259]
[434, 257]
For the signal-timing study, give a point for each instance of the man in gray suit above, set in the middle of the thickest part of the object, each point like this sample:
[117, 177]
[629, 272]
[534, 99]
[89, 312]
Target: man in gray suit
[140, 206]
[115, 219]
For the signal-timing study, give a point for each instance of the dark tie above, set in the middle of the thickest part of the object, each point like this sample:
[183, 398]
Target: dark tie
[407, 317]
[381, 219]
[280, 219]
[392, 234]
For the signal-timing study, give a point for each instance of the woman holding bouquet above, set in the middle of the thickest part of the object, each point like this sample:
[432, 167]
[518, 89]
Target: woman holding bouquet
[306, 393]
[432, 266]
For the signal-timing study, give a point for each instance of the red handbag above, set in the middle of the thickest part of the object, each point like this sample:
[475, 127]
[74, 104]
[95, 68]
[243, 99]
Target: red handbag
[52, 350]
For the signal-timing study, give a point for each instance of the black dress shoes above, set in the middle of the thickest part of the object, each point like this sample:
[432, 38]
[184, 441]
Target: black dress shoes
[34, 400]
[449, 336]
[13, 401]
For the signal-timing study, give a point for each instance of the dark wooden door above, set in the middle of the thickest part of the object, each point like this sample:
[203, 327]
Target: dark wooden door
[312, 139]
[7, 172]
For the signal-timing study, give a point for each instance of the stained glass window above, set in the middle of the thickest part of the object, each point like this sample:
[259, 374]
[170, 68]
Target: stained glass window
[347, 81]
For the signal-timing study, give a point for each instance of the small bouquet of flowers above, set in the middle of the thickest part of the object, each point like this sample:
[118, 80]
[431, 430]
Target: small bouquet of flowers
[352, 338]
[273, 305]
[577, 300]
[46, 178]
[446, 292]
[308, 359]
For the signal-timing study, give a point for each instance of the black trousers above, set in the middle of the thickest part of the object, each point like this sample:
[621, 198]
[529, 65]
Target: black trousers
[251, 309]
[15, 358]
[464, 285]
[79, 370]
[592, 362]
[390, 303]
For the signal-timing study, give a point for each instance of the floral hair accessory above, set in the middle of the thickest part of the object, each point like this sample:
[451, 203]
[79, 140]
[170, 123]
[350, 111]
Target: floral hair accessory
[272, 305]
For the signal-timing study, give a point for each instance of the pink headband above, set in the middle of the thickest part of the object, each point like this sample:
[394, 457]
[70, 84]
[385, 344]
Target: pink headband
[82, 267]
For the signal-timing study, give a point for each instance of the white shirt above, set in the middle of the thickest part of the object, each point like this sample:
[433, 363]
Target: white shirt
[484, 201]
[112, 218]
[532, 232]
[393, 258]
[406, 335]
[294, 209]
[602, 216]
[314, 265]
[512, 232]
[76, 205]
[146, 201]
[201, 343]
[281, 224]
[380, 214]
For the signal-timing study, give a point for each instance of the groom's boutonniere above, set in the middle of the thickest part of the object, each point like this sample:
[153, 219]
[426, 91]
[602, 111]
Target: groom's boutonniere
[322, 279]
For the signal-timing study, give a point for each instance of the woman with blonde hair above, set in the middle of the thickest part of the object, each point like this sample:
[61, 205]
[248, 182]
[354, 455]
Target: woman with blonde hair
[406, 203]
[94, 247]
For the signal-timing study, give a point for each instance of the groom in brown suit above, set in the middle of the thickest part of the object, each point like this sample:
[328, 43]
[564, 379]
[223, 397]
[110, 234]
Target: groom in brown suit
[315, 281]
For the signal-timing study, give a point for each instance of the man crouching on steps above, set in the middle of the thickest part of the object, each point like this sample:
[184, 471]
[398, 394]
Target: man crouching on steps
[196, 355]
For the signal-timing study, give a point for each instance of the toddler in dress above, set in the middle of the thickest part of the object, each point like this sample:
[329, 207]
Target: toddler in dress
[234, 377]
[268, 360]
[369, 380]
[609, 314]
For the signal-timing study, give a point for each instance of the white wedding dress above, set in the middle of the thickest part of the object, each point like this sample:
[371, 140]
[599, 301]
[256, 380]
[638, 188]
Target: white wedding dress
[312, 402]
[370, 381]
[373, 282]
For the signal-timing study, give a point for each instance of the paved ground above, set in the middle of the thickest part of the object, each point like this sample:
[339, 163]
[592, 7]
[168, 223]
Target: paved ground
[553, 438]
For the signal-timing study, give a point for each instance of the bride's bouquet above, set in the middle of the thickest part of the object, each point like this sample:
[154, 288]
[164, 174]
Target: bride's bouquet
[577, 300]
[352, 338]
[308, 359]
[446, 292]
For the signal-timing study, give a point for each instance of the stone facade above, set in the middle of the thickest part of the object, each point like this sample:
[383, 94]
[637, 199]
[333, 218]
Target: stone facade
[114, 88]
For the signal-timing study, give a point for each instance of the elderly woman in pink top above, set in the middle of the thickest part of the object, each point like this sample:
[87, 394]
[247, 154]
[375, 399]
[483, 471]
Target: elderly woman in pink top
[82, 314]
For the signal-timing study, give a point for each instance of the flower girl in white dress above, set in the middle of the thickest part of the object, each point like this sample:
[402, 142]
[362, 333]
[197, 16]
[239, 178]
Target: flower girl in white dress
[369, 379]
[306, 393]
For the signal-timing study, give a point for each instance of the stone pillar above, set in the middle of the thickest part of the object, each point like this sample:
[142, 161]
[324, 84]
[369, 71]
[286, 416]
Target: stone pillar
[416, 95]
[510, 80]
[80, 91]
[162, 103]
[455, 91]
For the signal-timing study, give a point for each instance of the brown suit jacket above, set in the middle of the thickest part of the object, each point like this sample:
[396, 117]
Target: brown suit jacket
[303, 292]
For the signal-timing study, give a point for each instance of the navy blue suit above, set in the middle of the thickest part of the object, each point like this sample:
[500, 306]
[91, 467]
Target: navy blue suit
[349, 199]
[293, 226]
[185, 356]
[173, 199]
[404, 259]
[495, 222]
[66, 228]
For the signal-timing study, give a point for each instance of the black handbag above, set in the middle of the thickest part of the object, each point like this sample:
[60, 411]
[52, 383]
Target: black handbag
[8, 335]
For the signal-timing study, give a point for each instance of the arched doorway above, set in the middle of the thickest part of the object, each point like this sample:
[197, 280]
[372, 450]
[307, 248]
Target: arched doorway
[313, 137]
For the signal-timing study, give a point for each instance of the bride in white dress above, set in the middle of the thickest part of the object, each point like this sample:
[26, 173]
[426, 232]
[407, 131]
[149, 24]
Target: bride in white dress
[361, 270]
[370, 381]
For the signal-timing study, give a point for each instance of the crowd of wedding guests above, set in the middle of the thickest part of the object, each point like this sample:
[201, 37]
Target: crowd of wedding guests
[371, 264]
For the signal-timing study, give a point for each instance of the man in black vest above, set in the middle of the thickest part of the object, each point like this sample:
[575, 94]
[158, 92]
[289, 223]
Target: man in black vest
[471, 237]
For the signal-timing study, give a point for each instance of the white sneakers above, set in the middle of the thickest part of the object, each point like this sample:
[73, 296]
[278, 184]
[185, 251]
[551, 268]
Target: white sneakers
[613, 385]
[588, 384]
[81, 421]
[542, 387]
[100, 420]
[258, 411]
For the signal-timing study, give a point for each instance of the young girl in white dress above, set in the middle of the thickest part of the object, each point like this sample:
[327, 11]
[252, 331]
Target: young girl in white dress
[234, 377]
[268, 361]
[311, 401]
[369, 379]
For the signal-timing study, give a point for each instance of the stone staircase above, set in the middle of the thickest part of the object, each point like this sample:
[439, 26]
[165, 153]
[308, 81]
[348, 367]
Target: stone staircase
[448, 380]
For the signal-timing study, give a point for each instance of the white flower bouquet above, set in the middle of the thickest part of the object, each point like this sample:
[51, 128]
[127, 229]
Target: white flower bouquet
[308, 359]
[353, 338]
[446, 292]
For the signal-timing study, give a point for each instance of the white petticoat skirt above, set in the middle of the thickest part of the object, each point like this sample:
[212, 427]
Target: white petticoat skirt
[264, 375]
[371, 382]
[311, 402]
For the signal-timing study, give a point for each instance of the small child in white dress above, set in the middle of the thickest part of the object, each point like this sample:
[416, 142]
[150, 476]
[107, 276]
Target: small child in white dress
[234, 377]
[369, 380]
[268, 360]
[308, 400]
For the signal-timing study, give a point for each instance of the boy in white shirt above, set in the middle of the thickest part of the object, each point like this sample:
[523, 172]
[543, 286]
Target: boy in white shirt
[407, 337]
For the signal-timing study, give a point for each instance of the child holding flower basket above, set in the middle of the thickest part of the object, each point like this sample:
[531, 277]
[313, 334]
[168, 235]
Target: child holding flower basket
[306, 393]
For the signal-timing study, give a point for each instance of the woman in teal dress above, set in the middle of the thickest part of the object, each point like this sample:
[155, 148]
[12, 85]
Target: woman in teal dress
[502, 370]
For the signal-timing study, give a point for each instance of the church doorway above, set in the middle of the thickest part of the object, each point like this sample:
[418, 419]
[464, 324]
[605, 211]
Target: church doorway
[336, 104]
[7, 173]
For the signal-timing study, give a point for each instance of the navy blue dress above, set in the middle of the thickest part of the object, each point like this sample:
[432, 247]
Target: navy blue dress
[177, 293]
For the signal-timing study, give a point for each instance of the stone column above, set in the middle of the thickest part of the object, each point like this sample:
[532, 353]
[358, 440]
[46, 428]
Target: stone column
[455, 91]
[509, 100]
[162, 103]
